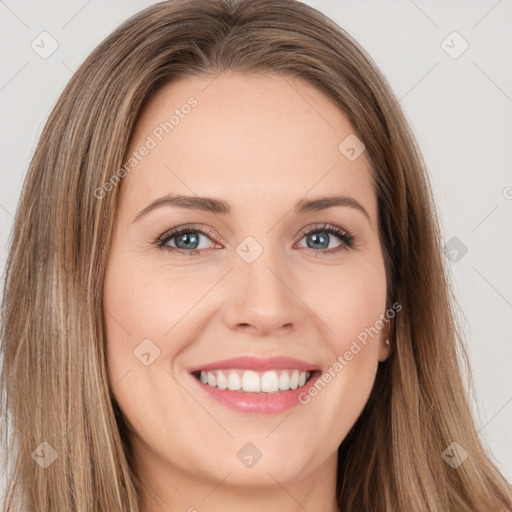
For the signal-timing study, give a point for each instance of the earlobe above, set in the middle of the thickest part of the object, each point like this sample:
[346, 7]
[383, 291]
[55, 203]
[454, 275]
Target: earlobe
[384, 349]
[385, 344]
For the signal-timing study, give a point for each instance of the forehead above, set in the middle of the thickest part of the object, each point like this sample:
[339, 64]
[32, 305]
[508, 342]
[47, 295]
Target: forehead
[244, 138]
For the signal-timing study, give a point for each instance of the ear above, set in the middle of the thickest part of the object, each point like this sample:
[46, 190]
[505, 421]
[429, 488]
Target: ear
[384, 342]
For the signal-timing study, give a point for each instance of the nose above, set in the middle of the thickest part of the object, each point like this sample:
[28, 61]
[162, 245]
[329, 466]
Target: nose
[263, 301]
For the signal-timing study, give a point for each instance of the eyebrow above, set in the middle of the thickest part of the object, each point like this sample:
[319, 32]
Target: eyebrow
[220, 207]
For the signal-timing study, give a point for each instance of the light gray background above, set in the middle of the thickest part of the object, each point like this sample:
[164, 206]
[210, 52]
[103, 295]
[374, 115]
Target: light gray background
[460, 110]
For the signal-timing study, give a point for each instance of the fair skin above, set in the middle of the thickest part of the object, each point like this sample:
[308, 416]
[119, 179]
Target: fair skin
[261, 145]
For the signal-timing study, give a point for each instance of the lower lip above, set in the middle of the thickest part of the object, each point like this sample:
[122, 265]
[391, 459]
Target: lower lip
[258, 403]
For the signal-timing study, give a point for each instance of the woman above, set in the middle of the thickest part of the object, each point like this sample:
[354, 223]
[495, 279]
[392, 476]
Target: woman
[225, 288]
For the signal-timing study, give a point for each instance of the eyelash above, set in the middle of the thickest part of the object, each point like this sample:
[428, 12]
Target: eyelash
[348, 240]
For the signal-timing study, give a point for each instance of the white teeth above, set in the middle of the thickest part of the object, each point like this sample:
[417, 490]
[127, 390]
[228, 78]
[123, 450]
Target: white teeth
[212, 380]
[294, 379]
[270, 382]
[250, 381]
[222, 381]
[284, 381]
[234, 382]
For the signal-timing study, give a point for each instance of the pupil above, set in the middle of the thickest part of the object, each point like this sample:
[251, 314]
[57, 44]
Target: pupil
[188, 238]
[322, 239]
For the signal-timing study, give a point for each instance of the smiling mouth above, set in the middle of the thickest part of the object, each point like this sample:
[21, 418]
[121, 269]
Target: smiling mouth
[250, 381]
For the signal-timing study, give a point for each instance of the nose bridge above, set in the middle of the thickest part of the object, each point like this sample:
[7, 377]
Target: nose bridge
[263, 297]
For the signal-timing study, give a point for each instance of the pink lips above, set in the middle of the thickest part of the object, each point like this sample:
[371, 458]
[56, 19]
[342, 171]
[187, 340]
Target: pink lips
[257, 364]
[257, 403]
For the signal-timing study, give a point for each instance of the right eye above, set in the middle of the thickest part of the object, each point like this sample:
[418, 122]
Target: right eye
[185, 240]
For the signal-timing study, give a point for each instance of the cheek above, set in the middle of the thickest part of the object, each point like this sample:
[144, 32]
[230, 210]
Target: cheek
[351, 303]
[148, 310]
[142, 305]
[140, 309]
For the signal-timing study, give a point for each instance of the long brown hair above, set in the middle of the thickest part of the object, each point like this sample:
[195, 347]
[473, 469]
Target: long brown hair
[54, 381]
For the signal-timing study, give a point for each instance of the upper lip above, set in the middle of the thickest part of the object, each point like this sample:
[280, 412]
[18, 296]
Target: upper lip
[256, 364]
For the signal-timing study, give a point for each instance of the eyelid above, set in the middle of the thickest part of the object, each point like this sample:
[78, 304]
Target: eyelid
[174, 232]
[324, 226]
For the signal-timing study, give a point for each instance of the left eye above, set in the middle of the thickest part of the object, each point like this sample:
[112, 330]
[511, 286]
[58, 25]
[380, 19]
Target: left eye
[319, 239]
[321, 235]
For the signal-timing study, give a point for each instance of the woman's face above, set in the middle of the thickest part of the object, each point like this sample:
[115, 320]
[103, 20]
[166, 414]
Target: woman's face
[257, 273]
